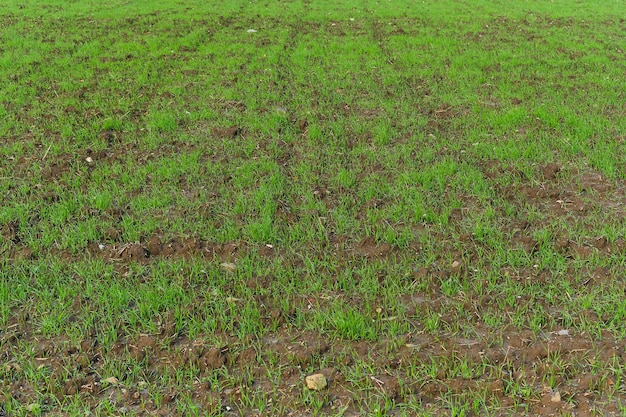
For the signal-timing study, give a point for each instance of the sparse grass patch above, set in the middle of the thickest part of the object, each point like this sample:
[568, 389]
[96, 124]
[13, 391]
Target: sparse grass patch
[204, 204]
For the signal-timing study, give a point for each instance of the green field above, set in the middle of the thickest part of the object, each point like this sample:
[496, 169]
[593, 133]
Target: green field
[205, 203]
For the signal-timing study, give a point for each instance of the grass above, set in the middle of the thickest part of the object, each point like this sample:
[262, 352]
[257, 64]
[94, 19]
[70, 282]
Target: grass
[412, 199]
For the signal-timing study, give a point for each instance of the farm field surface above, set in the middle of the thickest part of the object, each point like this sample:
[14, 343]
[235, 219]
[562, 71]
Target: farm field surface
[313, 208]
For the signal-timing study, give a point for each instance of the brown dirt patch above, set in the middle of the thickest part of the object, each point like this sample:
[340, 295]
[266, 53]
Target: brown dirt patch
[227, 133]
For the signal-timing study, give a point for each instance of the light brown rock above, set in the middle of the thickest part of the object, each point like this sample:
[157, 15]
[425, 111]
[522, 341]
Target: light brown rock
[316, 382]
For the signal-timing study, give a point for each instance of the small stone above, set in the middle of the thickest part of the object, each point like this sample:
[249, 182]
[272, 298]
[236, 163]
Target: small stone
[111, 380]
[456, 264]
[33, 408]
[316, 382]
[228, 266]
[9, 366]
[556, 397]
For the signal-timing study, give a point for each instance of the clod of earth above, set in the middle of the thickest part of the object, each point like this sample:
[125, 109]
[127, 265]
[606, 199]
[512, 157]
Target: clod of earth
[227, 133]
